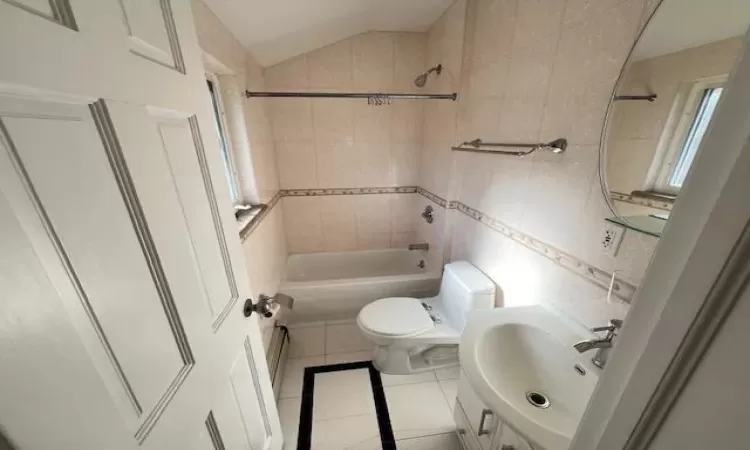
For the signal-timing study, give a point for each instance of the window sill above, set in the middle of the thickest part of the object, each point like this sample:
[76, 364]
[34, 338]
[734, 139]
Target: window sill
[246, 220]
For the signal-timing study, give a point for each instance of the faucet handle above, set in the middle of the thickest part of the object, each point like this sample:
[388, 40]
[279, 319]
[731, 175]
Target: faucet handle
[614, 325]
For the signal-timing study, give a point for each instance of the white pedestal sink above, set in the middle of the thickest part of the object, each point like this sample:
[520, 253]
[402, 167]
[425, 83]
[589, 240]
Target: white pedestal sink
[521, 361]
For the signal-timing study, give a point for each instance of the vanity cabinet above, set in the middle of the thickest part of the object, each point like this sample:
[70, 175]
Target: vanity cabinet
[480, 420]
[481, 429]
[507, 439]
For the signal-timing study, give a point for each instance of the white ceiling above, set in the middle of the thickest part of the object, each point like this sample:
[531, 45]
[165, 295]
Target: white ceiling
[276, 30]
[681, 24]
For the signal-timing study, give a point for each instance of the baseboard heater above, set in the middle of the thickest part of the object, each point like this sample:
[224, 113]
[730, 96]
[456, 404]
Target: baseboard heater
[277, 356]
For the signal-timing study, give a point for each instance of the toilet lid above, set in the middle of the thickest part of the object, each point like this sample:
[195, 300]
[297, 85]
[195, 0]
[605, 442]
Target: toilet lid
[396, 316]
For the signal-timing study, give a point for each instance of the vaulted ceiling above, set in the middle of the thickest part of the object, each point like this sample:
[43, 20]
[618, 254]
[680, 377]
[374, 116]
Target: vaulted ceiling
[276, 30]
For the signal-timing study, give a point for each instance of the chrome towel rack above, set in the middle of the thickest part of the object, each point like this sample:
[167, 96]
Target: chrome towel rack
[475, 146]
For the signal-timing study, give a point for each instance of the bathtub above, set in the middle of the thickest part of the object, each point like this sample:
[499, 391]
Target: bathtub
[333, 286]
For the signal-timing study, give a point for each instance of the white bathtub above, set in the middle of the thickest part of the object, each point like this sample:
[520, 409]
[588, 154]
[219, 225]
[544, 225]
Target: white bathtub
[332, 286]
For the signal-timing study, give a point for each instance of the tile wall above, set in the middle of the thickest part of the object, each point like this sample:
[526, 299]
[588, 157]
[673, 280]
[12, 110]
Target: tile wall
[534, 71]
[334, 223]
[342, 143]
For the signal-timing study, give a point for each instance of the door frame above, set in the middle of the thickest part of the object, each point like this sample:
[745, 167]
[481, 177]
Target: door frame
[698, 270]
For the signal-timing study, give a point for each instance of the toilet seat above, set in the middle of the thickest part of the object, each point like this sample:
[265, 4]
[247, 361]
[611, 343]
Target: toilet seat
[395, 317]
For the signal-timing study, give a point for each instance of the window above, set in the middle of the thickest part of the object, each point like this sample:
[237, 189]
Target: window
[223, 142]
[696, 115]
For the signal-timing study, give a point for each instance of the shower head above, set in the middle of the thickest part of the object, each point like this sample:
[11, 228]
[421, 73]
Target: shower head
[421, 80]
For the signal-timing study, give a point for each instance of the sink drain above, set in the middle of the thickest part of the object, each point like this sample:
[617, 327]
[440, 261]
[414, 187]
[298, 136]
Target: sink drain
[537, 399]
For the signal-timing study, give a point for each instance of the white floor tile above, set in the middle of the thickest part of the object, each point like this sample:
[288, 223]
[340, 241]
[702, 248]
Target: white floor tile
[289, 417]
[448, 441]
[291, 385]
[345, 338]
[341, 322]
[340, 358]
[418, 410]
[307, 341]
[343, 394]
[450, 391]
[395, 380]
[450, 373]
[346, 433]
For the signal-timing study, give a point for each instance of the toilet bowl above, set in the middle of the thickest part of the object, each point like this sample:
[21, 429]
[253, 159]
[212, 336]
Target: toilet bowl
[416, 335]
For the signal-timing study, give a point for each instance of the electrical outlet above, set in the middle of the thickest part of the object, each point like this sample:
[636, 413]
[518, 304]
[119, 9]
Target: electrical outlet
[612, 238]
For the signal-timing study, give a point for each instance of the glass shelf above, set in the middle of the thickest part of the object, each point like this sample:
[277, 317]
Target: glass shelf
[651, 224]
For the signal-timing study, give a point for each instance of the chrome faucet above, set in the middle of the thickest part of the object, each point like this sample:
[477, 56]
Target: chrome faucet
[425, 246]
[603, 345]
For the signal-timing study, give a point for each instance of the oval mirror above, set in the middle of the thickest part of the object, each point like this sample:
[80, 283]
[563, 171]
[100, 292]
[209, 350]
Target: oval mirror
[664, 101]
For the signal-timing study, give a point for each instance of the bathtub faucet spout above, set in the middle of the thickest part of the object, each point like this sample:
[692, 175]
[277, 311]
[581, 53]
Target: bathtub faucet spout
[425, 246]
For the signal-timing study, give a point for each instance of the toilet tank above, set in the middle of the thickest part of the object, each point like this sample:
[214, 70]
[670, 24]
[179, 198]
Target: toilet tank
[464, 288]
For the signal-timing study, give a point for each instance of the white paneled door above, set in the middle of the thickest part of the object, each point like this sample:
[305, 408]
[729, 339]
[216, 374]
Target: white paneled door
[121, 275]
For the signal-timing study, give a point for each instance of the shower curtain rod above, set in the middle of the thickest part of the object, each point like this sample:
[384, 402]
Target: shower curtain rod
[366, 95]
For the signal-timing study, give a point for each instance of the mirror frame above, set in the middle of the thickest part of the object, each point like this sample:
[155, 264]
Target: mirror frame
[603, 137]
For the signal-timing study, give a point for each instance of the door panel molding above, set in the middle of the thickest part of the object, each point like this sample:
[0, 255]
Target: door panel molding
[256, 383]
[59, 12]
[83, 297]
[127, 189]
[218, 227]
[172, 57]
[213, 432]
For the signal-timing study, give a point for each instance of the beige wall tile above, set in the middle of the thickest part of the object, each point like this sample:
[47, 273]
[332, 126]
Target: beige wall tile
[297, 164]
[409, 60]
[303, 227]
[373, 60]
[339, 223]
[336, 161]
[331, 66]
[290, 75]
[291, 118]
[536, 21]
[333, 119]
[404, 164]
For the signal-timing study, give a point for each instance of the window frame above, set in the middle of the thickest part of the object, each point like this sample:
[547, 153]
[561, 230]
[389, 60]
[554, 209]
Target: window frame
[217, 107]
[687, 115]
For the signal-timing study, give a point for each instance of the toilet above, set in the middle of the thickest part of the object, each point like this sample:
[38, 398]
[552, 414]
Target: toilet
[416, 335]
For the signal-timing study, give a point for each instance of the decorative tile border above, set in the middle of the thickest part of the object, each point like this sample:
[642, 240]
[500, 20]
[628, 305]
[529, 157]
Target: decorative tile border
[348, 191]
[643, 201]
[440, 201]
[266, 209]
[595, 275]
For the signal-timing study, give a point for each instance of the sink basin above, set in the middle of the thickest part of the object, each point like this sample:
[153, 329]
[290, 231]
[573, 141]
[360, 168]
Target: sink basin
[522, 363]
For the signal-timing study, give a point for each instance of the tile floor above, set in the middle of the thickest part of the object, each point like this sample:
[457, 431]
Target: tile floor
[420, 406]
